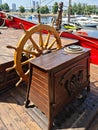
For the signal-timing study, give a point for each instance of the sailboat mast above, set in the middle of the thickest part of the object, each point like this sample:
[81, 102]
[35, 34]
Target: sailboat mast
[69, 9]
[39, 12]
[59, 16]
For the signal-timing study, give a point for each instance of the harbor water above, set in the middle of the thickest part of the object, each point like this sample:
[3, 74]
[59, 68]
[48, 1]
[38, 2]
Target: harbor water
[44, 19]
[92, 31]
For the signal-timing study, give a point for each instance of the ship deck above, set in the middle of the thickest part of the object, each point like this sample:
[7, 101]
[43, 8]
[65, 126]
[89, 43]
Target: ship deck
[80, 114]
[10, 36]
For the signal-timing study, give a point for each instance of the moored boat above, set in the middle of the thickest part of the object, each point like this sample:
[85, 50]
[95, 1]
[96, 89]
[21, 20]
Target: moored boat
[95, 18]
[85, 21]
[71, 26]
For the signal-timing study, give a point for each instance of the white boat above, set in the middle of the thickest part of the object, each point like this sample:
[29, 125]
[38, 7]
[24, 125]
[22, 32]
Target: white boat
[85, 21]
[94, 18]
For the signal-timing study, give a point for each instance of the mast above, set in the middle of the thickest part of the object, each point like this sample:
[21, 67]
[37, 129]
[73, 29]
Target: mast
[39, 17]
[59, 16]
[69, 9]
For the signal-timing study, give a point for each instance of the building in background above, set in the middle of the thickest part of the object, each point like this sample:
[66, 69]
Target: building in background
[37, 4]
[50, 8]
[0, 2]
[33, 5]
[13, 7]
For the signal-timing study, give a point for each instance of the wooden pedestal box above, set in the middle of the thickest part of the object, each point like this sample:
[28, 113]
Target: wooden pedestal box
[56, 79]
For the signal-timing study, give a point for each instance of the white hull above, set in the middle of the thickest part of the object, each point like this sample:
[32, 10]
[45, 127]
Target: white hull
[86, 22]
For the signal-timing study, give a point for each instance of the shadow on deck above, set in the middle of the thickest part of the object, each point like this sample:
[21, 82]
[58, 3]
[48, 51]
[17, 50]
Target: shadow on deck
[80, 114]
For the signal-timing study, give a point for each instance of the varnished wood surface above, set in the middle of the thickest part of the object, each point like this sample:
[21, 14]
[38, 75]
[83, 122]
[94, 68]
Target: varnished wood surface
[52, 60]
[67, 76]
[8, 37]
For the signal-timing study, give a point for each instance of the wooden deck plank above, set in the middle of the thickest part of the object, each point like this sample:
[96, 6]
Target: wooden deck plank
[5, 115]
[18, 117]
[94, 75]
[20, 98]
[8, 36]
[9, 115]
[20, 110]
[2, 126]
[37, 118]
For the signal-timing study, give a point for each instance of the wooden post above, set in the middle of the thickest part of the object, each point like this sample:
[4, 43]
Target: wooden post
[39, 19]
[69, 11]
[59, 16]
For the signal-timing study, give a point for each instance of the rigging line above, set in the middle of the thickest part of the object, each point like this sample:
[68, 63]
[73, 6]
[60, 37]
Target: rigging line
[46, 3]
[43, 1]
[49, 2]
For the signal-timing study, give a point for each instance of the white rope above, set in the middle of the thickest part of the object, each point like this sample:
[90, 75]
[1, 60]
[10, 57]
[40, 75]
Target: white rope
[49, 2]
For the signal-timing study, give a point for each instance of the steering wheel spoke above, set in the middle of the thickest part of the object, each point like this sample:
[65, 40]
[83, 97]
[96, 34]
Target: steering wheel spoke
[29, 47]
[26, 61]
[51, 44]
[47, 40]
[31, 53]
[40, 39]
[34, 44]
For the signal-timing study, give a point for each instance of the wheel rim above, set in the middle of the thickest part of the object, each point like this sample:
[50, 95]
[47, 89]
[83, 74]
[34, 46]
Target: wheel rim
[50, 41]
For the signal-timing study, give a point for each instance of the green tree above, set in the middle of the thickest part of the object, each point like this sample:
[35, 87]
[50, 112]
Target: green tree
[31, 10]
[84, 9]
[1, 6]
[94, 8]
[74, 9]
[55, 8]
[5, 7]
[38, 9]
[21, 9]
[97, 11]
[44, 10]
[79, 8]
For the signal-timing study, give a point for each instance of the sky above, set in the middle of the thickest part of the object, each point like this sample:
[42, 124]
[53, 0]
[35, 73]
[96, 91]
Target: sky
[27, 3]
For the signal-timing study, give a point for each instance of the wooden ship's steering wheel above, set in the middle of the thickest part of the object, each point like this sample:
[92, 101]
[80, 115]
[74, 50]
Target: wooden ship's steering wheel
[32, 46]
